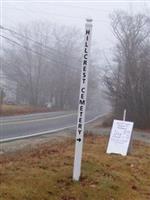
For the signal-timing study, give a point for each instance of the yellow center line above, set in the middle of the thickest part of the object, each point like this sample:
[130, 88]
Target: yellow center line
[34, 120]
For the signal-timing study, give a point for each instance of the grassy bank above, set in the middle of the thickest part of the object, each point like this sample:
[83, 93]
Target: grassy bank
[45, 173]
[8, 110]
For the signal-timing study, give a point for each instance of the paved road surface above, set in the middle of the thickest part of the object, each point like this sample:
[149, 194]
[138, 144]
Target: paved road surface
[35, 124]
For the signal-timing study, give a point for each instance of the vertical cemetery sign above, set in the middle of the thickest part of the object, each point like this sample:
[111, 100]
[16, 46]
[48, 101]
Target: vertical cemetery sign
[82, 101]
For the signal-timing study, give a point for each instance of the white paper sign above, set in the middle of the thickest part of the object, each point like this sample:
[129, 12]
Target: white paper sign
[120, 137]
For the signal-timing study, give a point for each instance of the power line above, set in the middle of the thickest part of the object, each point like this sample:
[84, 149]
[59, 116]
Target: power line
[52, 61]
[20, 35]
[51, 50]
[29, 49]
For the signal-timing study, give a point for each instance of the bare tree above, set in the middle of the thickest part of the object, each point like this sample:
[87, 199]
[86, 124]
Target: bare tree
[128, 82]
[45, 63]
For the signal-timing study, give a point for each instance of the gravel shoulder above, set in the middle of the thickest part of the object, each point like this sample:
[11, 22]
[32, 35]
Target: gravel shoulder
[96, 128]
[92, 128]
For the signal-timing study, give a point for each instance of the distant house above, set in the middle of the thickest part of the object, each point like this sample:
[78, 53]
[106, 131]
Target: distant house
[9, 88]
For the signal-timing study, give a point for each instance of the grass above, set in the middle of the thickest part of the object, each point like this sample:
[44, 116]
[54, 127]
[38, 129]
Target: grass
[7, 110]
[45, 173]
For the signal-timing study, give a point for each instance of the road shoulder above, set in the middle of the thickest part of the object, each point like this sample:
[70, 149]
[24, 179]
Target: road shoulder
[92, 128]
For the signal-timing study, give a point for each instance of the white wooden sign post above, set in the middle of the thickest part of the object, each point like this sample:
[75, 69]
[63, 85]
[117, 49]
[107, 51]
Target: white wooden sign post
[82, 101]
[124, 114]
[120, 137]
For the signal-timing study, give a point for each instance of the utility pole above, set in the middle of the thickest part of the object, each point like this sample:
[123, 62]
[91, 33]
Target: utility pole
[82, 101]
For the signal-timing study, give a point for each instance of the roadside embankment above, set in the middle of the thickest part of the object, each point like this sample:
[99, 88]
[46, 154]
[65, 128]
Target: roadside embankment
[95, 128]
[45, 172]
[9, 110]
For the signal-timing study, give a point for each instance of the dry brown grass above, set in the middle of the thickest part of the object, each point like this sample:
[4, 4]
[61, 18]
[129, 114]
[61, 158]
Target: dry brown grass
[45, 173]
[7, 110]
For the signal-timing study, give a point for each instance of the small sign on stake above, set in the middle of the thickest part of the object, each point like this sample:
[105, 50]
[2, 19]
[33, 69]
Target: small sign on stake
[124, 114]
[120, 136]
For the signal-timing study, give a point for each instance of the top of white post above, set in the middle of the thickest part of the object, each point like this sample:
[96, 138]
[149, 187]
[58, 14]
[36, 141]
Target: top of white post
[89, 22]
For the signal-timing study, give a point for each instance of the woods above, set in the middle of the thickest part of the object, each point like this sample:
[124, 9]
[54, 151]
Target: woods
[44, 61]
[128, 78]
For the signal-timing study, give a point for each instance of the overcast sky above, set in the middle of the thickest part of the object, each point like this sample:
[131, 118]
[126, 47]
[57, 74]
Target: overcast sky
[71, 13]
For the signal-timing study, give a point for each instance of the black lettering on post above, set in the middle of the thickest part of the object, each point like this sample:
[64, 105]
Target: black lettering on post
[81, 114]
[86, 44]
[85, 56]
[85, 62]
[84, 75]
[81, 109]
[87, 32]
[79, 139]
[85, 50]
[84, 68]
[80, 126]
[83, 80]
[82, 102]
[82, 96]
[83, 90]
[80, 120]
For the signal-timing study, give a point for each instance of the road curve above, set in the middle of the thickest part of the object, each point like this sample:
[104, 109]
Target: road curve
[19, 127]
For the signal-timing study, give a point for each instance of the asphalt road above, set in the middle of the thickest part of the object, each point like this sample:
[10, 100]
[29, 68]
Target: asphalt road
[36, 124]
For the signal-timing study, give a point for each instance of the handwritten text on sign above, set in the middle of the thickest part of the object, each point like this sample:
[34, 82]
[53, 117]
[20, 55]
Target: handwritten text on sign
[120, 137]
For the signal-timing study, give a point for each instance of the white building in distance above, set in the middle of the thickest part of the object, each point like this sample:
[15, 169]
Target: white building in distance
[9, 88]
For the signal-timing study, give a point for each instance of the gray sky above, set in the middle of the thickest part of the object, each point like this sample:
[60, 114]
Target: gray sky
[71, 13]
